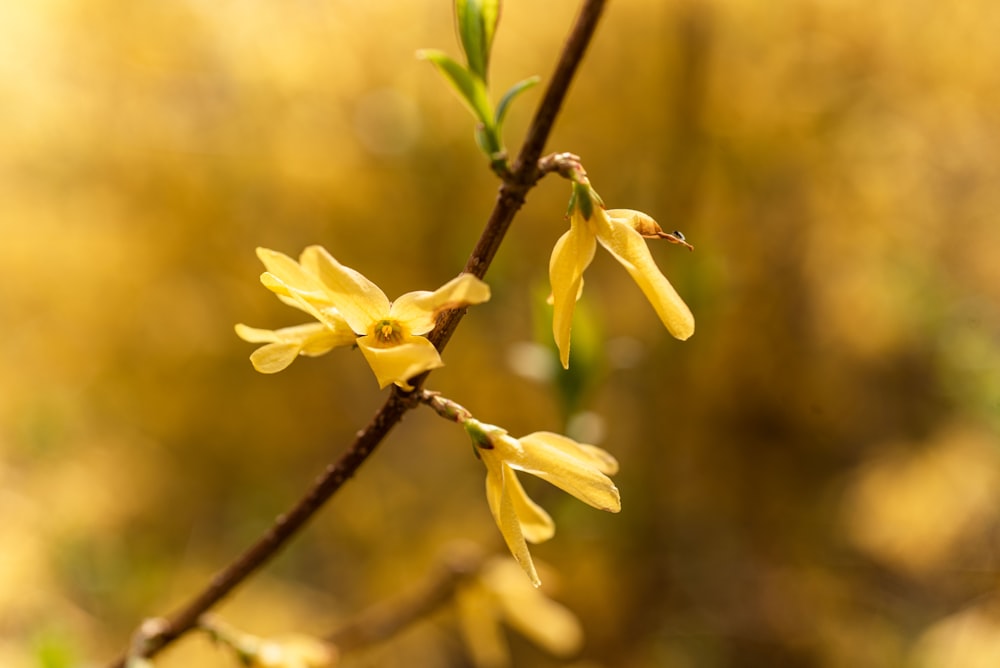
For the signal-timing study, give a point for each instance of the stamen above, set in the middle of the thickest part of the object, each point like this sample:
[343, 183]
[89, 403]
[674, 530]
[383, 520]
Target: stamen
[388, 332]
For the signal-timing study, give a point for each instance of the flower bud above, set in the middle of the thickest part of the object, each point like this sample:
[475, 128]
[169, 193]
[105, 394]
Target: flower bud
[647, 227]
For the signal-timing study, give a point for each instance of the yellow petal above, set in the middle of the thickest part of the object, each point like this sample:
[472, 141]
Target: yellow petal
[315, 338]
[479, 622]
[284, 345]
[399, 363]
[573, 474]
[360, 301]
[274, 357]
[505, 515]
[571, 255]
[600, 459]
[647, 227]
[314, 303]
[536, 524]
[548, 624]
[418, 310]
[294, 651]
[254, 335]
[288, 271]
[630, 249]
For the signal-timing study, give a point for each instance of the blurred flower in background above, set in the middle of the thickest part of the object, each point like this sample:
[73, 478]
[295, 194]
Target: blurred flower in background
[501, 593]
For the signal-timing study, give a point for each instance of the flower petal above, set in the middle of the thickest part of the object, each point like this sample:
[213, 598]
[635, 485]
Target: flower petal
[288, 271]
[294, 651]
[401, 362]
[274, 357]
[505, 514]
[570, 257]
[536, 524]
[548, 624]
[600, 459]
[631, 250]
[419, 310]
[479, 622]
[360, 301]
[571, 473]
[284, 345]
[313, 303]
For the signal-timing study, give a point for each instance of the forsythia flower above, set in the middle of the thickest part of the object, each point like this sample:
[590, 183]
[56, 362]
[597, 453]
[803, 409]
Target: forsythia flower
[621, 232]
[579, 469]
[352, 310]
[498, 593]
[293, 651]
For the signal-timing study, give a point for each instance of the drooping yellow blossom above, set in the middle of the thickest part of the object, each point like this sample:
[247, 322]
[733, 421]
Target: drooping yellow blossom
[499, 593]
[579, 469]
[293, 651]
[621, 232]
[352, 310]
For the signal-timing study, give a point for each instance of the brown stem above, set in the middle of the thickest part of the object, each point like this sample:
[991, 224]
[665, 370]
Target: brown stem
[509, 200]
[385, 620]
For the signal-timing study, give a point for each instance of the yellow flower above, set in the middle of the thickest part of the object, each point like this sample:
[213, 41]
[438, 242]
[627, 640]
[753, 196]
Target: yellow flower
[352, 310]
[621, 232]
[293, 651]
[499, 593]
[579, 469]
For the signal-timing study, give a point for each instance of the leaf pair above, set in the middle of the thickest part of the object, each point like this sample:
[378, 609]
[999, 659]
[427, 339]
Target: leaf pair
[476, 22]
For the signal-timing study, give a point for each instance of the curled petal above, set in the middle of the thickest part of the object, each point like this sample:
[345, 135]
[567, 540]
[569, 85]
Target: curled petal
[314, 303]
[600, 459]
[573, 473]
[288, 271]
[284, 345]
[571, 255]
[536, 524]
[400, 362]
[360, 301]
[419, 310]
[647, 227]
[630, 249]
[498, 476]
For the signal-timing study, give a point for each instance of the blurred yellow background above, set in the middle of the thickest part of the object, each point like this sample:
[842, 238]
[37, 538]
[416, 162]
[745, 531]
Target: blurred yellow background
[812, 480]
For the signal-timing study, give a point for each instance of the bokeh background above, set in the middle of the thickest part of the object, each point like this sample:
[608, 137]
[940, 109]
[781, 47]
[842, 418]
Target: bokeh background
[812, 480]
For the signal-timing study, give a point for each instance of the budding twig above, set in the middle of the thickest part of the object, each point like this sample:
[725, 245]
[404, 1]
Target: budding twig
[524, 175]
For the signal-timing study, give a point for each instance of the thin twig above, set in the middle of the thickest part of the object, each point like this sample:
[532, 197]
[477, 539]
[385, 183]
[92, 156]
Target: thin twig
[509, 200]
[381, 622]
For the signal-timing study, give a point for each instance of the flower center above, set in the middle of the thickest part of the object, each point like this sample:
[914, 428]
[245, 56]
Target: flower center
[388, 333]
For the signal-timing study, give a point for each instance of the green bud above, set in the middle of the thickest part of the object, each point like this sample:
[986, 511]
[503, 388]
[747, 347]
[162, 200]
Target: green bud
[479, 435]
[476, 22]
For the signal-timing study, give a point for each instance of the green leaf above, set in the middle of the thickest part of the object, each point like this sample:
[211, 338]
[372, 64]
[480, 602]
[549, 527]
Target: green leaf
[476, 22]
[509, 96]
[486, 141]
[470, 87]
